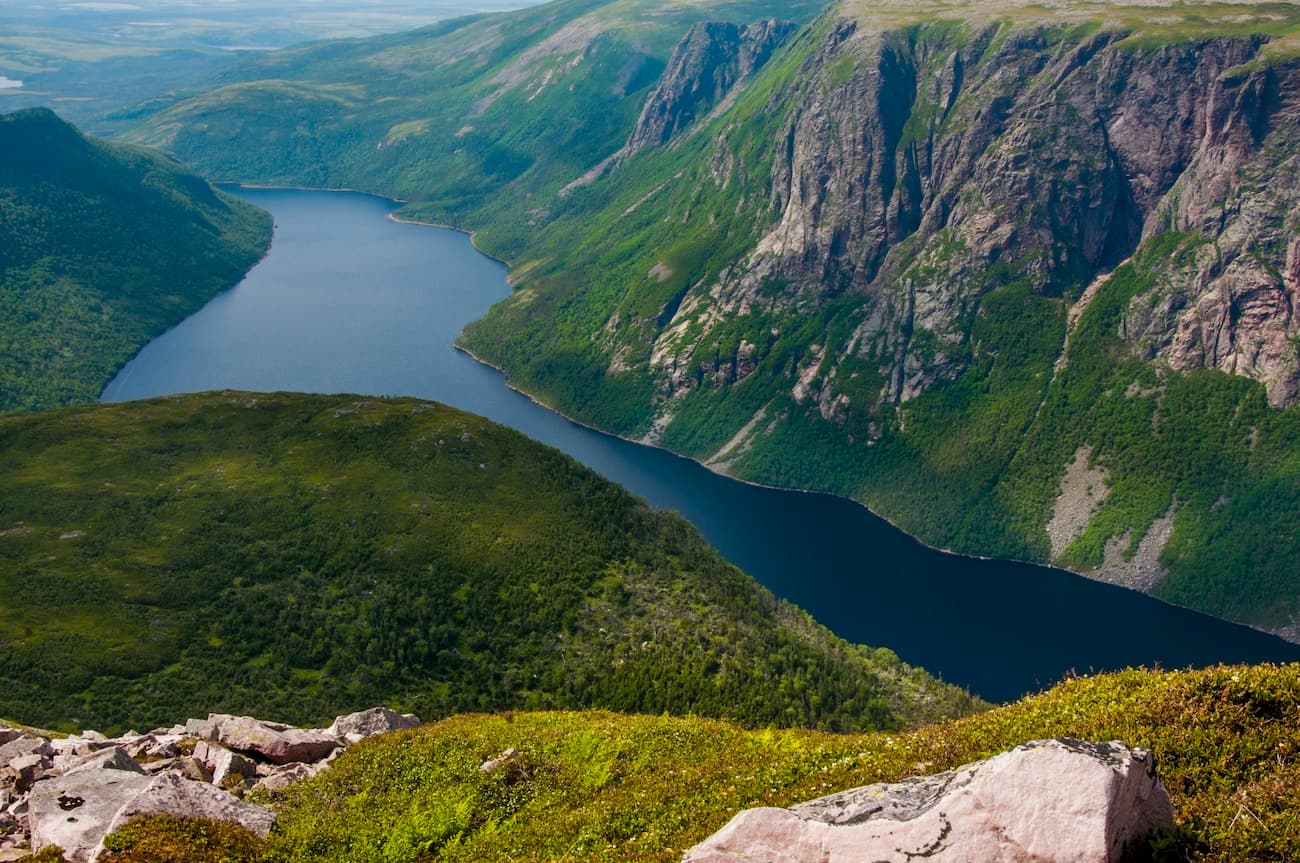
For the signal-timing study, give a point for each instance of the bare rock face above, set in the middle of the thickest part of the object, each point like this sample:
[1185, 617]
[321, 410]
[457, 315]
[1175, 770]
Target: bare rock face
[113, 758]
[75, 812]
[368, 723]
[908, 170]
[703, 70]
[169, 794]
[1066, 801]
[282, 777]
[277, 744]
[221, 765]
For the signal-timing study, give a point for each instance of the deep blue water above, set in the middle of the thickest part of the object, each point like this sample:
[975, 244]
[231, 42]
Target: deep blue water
[350, 301]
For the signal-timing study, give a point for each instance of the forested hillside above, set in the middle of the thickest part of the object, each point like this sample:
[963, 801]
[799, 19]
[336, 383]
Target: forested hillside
[302, 556]
[104, 246]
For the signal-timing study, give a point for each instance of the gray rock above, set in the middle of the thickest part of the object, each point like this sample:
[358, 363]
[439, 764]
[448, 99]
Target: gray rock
[279, 745]
[25, 745]
[23, 761]
[22, 772]
[8, 733]
[114, 758]
[79, 745]
[155, 746]
[368, 723]
[282, 777]
[200, 728]
[1054, 800]
[708, 63]
[75, 812]
[183, 766]
[170, 794]
[227, 767]
[492, 765]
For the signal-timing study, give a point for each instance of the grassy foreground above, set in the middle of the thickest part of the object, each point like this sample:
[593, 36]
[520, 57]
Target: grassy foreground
[608, 787]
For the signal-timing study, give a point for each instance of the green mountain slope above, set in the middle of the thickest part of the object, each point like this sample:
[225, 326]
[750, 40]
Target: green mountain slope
[450, 116]
[1021, 277]
[897, 310]
[105, 246]
[591, 787]
[300, 556]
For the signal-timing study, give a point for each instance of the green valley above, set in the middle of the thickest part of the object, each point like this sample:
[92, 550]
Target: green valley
[1019, 277]
[106, 245]
[298, 556]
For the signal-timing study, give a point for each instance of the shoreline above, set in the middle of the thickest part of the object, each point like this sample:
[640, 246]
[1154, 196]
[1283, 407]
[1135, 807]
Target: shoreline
[392, 215]
[456, 345]
[911, 536]
[262, 256]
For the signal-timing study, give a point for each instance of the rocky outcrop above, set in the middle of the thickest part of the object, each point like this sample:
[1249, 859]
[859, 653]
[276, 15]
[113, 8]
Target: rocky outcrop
[919, 170]
[273, 743]
[367, 723]
[75, 812]
[74, 791]
[1059, 800]
[702, 73]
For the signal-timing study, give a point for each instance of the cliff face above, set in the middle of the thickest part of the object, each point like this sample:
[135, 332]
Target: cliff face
[944, 266]
[703, 71]
[938, 168]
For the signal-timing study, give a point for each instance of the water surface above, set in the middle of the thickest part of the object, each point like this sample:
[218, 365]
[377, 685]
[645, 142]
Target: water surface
[350, 301]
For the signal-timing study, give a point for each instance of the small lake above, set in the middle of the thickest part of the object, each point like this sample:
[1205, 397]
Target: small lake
[350, 301]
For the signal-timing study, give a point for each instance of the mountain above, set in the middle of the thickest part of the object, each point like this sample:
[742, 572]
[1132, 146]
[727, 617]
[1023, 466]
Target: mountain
[105, 247]
[297, 556]
[1019, 277]
[604, 788]
[478, 120]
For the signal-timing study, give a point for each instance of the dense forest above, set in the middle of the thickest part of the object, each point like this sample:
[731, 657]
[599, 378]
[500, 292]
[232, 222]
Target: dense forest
[301, 556]
[105, 246]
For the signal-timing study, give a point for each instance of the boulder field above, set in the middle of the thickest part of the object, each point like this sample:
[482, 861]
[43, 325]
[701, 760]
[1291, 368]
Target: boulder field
[73, 791]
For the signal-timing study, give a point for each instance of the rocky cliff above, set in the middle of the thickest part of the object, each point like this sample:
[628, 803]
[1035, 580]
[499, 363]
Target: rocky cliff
[918, 171]
[930, 262]
[703, 71]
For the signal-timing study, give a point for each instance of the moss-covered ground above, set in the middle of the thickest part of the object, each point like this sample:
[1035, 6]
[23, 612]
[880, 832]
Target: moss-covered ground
[608, 787]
